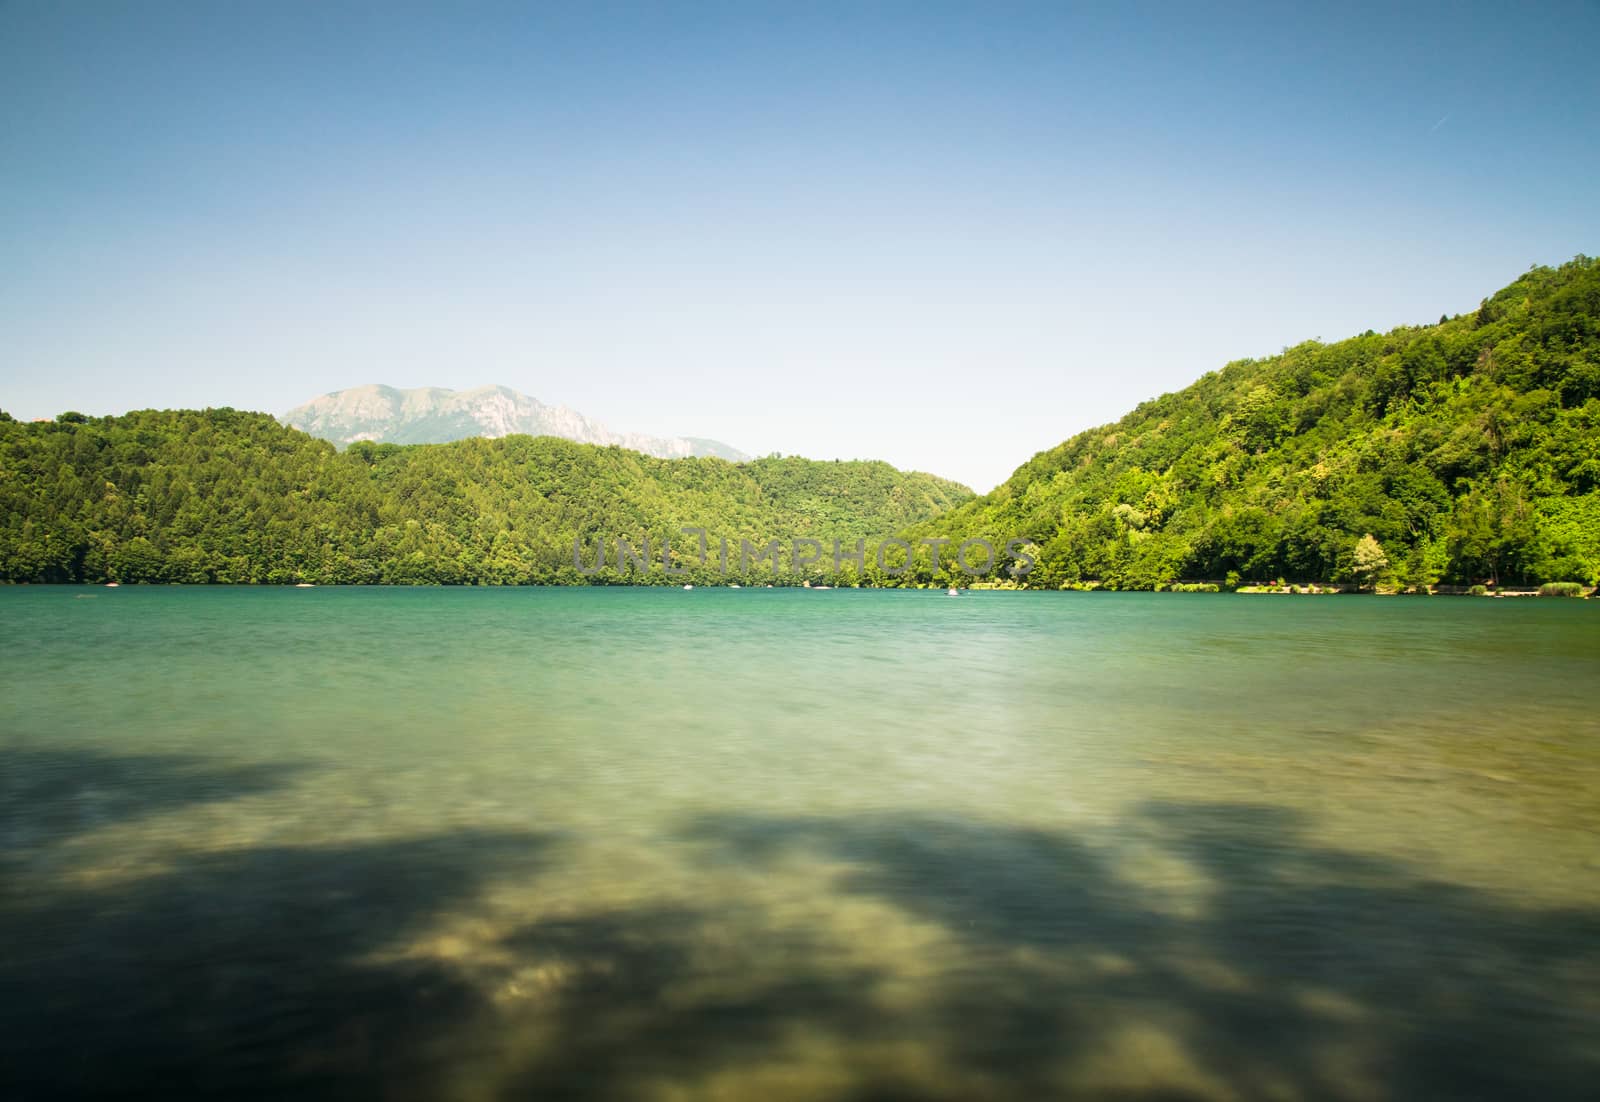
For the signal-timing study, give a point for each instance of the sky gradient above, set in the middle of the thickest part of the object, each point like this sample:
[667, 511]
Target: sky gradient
[947, 236]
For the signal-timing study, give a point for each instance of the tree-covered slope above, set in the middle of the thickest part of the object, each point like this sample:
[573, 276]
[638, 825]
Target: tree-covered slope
[224, 496]
[1469, 449]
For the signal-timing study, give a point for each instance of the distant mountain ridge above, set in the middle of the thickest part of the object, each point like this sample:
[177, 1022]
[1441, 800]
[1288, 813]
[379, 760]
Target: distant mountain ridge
[434, 415]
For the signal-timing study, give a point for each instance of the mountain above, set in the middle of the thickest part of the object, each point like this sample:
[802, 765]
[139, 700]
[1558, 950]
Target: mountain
[1465, 451]
[431, 415]
[224, 496]
[1468, 449]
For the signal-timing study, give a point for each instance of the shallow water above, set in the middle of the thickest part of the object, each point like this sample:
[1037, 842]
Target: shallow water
[484, 844]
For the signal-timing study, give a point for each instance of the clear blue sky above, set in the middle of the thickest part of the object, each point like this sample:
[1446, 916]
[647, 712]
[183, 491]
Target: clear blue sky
[943, 235]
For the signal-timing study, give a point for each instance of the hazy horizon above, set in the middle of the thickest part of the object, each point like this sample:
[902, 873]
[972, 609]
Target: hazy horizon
[943, 236]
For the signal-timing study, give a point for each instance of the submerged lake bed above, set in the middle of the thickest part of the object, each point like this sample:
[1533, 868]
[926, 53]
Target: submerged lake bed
[865, 844]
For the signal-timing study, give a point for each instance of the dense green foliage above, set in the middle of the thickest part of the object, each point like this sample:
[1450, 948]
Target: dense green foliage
[224, 496]
[1468, 450]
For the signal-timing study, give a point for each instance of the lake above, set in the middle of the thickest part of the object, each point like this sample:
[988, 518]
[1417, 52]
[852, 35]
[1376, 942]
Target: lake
[788, 844]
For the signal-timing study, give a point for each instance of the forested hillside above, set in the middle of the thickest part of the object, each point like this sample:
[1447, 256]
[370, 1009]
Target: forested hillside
[224, 496]
[1469, 450]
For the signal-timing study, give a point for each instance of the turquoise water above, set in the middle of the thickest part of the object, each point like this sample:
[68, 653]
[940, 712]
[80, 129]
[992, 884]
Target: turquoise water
[656, 844]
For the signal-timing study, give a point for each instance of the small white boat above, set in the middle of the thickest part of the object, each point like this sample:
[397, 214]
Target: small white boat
[111, 585]
[953, 592]
[688, 587]
[305, 585]
[735, 585]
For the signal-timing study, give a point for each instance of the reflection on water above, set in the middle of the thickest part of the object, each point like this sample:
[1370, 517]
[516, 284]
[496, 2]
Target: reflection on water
[496, 845]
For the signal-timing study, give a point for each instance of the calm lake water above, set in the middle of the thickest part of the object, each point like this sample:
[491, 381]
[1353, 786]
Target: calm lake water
[779, 844]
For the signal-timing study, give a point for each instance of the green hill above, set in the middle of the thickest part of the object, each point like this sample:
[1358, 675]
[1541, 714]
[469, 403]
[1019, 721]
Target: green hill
[224, 496]
[1469, 449]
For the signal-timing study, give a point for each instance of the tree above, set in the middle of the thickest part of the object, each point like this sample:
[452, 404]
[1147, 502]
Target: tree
[1492, 531]
[1370, 562]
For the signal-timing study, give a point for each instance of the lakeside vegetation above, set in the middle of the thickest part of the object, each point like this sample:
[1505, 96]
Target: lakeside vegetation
[231, 497]
[1464, 453]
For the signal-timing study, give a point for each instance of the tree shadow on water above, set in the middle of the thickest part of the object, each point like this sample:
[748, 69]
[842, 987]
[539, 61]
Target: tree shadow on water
[1288, 969]
[240, 973]
[648, 1000]
[49, 797]
[1186, 953]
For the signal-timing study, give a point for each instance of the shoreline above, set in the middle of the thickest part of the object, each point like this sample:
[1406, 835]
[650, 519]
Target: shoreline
[1318, 589]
